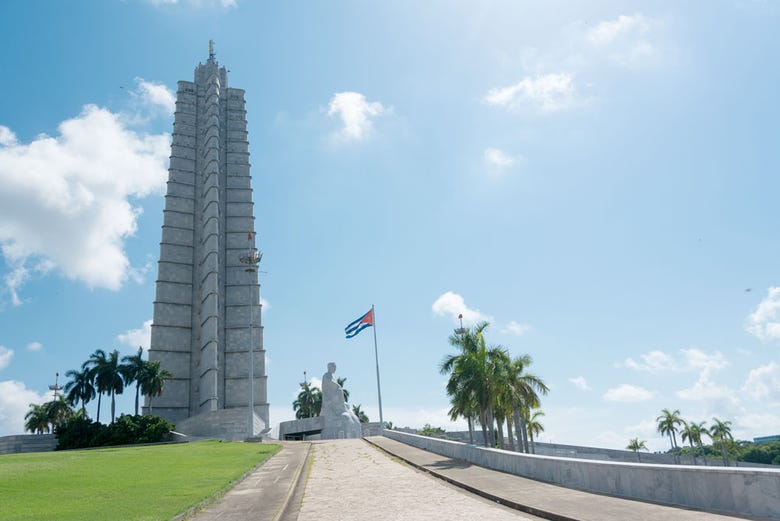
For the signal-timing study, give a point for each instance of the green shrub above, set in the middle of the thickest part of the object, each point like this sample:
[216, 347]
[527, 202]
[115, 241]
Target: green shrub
[79, 433]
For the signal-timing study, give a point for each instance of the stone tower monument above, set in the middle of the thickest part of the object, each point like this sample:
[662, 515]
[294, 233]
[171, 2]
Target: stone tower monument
[206, 297]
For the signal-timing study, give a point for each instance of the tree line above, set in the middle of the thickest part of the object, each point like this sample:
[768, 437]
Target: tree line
[102, 374]
[488, 387]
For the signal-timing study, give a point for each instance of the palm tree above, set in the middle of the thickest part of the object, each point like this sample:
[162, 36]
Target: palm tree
[535, 427]
[721, 435]
[463, 405]
[109, 378]
[80, 388]
[132, 370]
[360, 414]
[667, 424]
[525, 389]
[692, 432]
[96, 360]
[636, 445]
[341, 381]
[37, 419]
[57, 411]
[153, 379]
[309, 402]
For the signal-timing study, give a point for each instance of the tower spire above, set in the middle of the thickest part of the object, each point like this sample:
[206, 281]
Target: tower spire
[211, 51]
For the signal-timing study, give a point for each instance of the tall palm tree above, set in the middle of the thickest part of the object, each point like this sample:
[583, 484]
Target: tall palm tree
[57, 411]
[463, 405]
[362, 416]
[80, 387]
[720, 433]
[131, 371]
[308, 403]
[692, 432]
[109, 378]
[341, 382]
[525, 389]
[37, 419]
[96, 360]
[667, 424]
[636, 445]
[535, 427]
[153, 379]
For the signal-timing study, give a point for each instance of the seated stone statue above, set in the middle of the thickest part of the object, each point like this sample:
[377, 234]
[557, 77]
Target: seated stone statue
[339, 420]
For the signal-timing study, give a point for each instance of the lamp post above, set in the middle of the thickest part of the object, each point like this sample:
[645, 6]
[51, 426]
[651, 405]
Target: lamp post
[460, 330]
[56, 387]
[251, 259]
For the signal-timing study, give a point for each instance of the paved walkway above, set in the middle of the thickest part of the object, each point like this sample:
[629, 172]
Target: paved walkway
[264, 493]
[545, 500]
[351, 480]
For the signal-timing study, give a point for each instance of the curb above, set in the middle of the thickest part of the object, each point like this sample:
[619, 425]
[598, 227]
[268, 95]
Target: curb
[295, 483]
[546, 514]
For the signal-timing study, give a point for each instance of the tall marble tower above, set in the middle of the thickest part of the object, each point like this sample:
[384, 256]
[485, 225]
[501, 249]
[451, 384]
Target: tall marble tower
[206, 298]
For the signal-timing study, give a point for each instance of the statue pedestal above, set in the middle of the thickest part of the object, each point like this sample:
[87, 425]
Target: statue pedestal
[345, 425]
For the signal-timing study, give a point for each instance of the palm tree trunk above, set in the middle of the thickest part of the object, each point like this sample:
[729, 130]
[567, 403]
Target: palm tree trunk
[693, 451]
[113, 406]
[509, 433]
[471, 429]
[483, 424]
[500, 429]
[533, 447]
[137, 385]
[150, 404]
[703, 456]
[491, 427]
[524, 430]
[518, 431]
[100, 396]
[724, 454]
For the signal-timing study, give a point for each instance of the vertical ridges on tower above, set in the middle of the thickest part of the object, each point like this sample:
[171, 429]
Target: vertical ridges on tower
[200, 330]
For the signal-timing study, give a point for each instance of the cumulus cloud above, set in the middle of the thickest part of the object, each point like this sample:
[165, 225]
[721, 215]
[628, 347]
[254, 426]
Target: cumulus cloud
[628, 393]
[498, 159]
[580, 383]
[763, 383]
[34, 346]
[355, 114]
[627, 40]
[545, 93]
[764, 321]
[66, 203]
[689, 360]
[5, 356]
[156, 95]
[15, 400]
[516, 328]
[135, 338]
[653, 361]
[451, 304]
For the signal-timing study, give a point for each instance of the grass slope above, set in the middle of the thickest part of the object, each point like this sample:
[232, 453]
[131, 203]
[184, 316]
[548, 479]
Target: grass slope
[129, 483]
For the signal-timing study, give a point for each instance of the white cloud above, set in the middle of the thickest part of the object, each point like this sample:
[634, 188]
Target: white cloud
[546, 93]
[764, 322]
[763, 383]
[691, 360]
[628, 393]
[653, 361]
[156, 94]
[7, 138]
[451, 304]
[135, 338]
[498, 159]
[626, 40]
[5, 356]
[516, 328]
[580, 383]
[15, 400]
[355, 114]
[66, 200]
[34, 346]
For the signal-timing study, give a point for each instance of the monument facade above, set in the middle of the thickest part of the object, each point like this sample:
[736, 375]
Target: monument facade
[206, 310]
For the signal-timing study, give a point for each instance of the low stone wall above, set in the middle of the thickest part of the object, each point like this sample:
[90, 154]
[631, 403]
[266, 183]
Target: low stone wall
[27, 443]
[740, 491]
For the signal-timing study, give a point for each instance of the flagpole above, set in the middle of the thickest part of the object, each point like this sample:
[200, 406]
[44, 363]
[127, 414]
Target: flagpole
[378, 387]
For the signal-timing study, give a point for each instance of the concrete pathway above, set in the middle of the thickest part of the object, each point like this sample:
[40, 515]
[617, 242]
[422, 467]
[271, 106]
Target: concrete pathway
[263, 494]
[542, 499]
[351, 480]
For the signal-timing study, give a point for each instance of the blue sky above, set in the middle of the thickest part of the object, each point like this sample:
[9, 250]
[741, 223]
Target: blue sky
[598, 180]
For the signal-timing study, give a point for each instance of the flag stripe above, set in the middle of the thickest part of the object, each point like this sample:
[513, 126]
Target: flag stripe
[356, 326]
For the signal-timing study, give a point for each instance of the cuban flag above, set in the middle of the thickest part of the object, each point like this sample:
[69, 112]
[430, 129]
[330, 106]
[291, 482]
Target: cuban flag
[360, 324]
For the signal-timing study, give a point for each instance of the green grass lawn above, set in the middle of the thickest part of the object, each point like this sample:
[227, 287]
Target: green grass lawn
[130, 483]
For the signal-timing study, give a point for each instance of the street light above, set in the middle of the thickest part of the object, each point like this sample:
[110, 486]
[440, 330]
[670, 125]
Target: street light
[251, 259]
[56, 387]
[461, 330]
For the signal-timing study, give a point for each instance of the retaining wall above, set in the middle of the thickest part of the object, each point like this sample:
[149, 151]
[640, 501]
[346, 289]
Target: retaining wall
[741, 491]
[27, 443]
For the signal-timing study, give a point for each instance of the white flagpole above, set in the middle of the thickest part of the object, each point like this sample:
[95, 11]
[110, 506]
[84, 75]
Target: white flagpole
[378, 387]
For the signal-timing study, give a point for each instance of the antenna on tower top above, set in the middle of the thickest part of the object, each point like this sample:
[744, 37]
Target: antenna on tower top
[211, 51]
